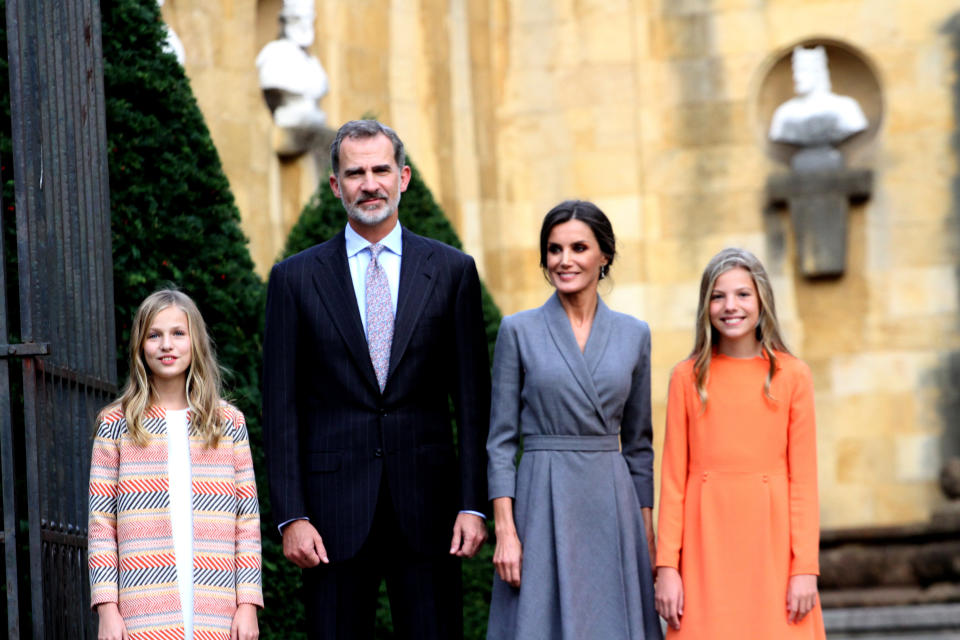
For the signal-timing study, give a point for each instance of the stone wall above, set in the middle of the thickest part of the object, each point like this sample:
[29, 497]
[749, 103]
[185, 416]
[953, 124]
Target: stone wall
[656, 110]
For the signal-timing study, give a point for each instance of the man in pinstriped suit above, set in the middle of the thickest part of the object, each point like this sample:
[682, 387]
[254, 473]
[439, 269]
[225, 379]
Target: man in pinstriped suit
[367, 337]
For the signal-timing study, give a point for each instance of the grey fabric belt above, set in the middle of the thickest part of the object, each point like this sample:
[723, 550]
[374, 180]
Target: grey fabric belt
[571, 443]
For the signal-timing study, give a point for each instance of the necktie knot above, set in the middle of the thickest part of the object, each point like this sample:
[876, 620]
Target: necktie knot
[375, 250]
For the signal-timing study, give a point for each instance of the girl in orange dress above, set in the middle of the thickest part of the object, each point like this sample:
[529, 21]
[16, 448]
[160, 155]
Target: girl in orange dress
[738, 530]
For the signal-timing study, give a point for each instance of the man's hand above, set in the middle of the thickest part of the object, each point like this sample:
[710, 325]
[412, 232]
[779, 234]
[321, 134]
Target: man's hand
[801, 596]
[302, 545]
[469, 534]
[111, 623]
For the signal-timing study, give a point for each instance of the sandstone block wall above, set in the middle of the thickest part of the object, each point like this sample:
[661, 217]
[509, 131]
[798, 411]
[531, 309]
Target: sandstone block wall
[656, 110]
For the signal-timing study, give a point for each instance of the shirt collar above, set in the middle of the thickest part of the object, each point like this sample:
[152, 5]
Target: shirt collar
[356, 243]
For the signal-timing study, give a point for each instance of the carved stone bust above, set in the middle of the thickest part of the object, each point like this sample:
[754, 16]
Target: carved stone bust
[292, 80]
[816, 116]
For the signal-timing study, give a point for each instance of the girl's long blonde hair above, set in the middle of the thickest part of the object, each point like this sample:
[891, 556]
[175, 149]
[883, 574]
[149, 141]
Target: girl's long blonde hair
[203, 375]
[768, 329]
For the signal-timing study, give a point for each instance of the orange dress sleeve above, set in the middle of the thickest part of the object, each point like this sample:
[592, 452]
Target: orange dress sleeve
[802, 465]
[673, 472]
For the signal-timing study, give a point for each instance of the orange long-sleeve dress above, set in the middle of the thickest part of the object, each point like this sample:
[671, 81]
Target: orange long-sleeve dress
[738, 499]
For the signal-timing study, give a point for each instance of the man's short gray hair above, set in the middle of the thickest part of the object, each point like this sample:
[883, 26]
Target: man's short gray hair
[365, 129]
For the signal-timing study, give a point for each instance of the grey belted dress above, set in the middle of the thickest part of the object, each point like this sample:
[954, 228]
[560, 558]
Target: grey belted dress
[577, 493]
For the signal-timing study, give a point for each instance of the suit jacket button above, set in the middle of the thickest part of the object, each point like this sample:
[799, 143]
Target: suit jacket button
[378, 453]
[383, 414]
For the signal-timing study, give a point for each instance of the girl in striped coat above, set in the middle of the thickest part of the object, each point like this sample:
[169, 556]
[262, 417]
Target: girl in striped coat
[174, 536]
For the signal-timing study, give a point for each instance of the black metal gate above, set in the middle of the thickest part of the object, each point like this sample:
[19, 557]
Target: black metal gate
[66, 309]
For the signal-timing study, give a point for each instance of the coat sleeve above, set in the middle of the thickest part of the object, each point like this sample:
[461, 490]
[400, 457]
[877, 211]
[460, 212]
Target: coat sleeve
[247, 537]
[102, 556]
[636, 427]
[471, 388]
[281, 439]
[802, 462]
[504, 438]
[673, 473]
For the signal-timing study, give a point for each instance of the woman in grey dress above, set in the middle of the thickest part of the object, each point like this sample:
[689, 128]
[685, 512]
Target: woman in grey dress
[571, 385]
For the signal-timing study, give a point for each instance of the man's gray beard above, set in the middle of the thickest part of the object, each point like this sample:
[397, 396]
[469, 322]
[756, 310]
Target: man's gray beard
[359, 215]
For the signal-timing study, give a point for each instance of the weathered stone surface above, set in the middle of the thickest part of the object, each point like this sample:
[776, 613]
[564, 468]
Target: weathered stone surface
[890, 565]
[950, 478]
[926, 622]
[889, 597]
[509, 107]
[938, 562]
[947, 514]
[818, 201]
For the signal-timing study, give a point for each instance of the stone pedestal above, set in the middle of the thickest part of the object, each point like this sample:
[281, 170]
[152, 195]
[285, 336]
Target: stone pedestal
[818, 192]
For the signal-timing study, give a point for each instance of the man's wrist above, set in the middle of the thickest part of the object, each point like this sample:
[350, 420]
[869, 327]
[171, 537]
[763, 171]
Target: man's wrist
[286, 522]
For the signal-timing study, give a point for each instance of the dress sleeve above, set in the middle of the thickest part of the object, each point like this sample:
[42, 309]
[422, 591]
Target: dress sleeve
[802, 461]
[102, 556]
[673, 473]
[504, 436]
[636, 427]
[247, 536]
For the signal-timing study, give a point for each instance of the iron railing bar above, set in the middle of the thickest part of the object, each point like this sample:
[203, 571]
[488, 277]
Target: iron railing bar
[80, 462]
[57, 472]
[30, 397]
[81, 356]
[59, 197]
[27, 134]
[88, 381]
[54, 533]
[100, 160]
[24, 131]
[7, 471]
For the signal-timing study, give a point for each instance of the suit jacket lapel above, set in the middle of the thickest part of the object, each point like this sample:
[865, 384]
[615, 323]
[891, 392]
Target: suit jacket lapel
[562, 333]
[416, 282]
[335, 288]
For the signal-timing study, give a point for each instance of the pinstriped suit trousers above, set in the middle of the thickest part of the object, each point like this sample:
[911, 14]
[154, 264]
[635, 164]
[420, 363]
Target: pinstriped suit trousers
[425, 592]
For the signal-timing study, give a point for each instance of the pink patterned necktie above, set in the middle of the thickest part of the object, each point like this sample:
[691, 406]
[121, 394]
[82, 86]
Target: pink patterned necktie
[379, 315]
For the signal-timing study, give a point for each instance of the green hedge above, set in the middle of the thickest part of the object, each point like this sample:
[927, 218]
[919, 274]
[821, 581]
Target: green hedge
[322, 218]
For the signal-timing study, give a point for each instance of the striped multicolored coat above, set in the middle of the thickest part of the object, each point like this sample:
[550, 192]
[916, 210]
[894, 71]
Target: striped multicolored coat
[131, 556]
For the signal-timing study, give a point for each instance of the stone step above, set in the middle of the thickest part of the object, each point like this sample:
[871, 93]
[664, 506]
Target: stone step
[915, 622]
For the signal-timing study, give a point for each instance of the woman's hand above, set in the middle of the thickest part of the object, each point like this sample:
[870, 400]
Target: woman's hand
[244, 625]
[801, 596]
[508, 558]
[669, 599]
[647, 514]
[111, 625]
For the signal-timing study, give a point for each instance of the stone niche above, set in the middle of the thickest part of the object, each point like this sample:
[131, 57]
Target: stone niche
[830, 169]
[851, 74]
